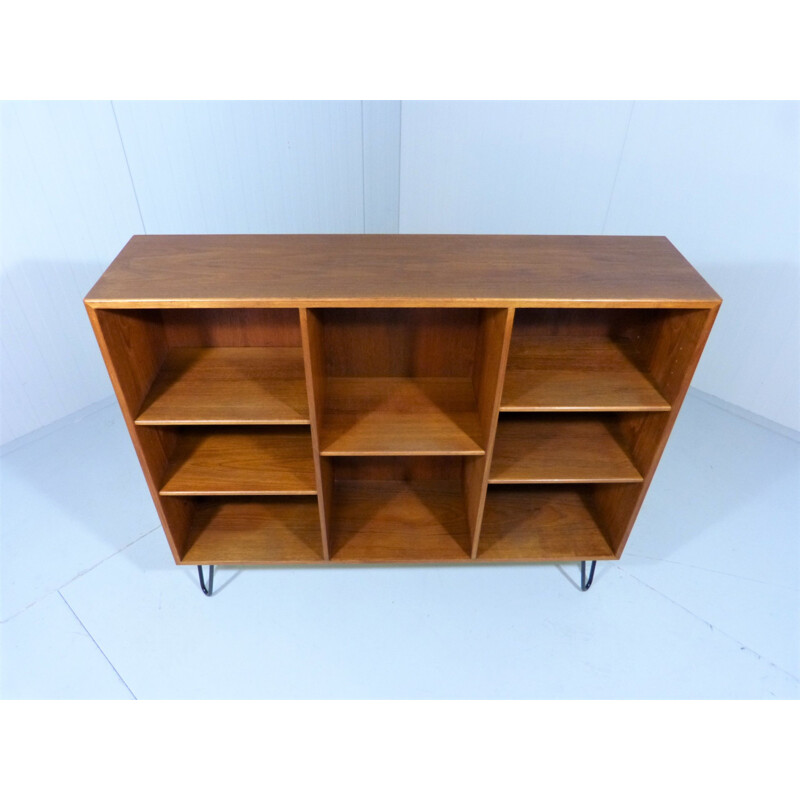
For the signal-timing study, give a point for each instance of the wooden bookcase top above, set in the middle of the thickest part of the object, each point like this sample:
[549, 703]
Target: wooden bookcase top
[399, 270]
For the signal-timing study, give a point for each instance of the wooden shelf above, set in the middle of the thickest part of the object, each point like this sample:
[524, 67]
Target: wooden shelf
[250, 531]
[228, 385]
[540, 524]
[561, 448]
[576, 374]
[400, 416]
[399, 521]
[231, 461]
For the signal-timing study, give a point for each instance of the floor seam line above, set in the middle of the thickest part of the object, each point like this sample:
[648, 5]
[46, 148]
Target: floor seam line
[28, 607]
[713, 571]
[741, 644]
[60, 424]
[75, 577]
[745, 414]
[94, 641]
[112, 555]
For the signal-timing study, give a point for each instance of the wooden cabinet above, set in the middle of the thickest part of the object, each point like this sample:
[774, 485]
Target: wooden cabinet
[388, 399]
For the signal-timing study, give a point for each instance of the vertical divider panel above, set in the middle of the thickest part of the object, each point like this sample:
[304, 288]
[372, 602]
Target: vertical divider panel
[314, 359]
[491, 355]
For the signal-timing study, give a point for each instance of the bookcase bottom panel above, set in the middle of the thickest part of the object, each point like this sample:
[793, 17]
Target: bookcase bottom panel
[397, 522]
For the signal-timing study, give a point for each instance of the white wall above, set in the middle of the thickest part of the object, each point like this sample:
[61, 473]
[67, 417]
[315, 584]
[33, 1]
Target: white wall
[509, 167]
[245, 167]
[721, 180]
[66, 209]
[78, 179]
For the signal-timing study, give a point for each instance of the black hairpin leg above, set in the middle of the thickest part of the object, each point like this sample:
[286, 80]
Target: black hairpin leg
[207, 591]
[584, 583]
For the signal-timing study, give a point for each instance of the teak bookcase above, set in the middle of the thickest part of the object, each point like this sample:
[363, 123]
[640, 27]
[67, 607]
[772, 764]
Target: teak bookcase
[388, 399]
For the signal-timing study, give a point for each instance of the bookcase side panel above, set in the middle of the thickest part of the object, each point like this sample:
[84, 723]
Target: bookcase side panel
[133, 346]
[673, 346]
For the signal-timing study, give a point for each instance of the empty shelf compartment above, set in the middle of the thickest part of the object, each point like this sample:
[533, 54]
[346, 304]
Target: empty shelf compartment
[560, 448]
[268, 530]
[228, 385]
[527, 523]
[572, 374]
[241, 460]
[399, 521]
[400, 416]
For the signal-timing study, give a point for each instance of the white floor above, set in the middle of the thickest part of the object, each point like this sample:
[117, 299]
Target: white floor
[704, 603]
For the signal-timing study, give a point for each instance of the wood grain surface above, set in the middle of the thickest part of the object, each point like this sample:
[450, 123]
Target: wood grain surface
[395, 356]
[231, 327]
[400, 342]
[398, 521]
[409, 469]
[491, 353]
[393, 416]
[133, 346]
[236, 460]
[402, 270]
[559, 448]
[313, 358]
[539, 524]
[572, 374]
[676, 346]
[228, 385]
[254, 531]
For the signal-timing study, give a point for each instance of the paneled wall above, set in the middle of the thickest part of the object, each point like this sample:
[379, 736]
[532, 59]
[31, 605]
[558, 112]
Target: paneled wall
[78, 179]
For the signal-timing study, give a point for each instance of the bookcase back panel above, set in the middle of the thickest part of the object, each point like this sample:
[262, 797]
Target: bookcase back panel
[397, 468]
[538, 329]
[400, 342]
[403, 509]
[630, 359]
[232, 327]
[532, 323]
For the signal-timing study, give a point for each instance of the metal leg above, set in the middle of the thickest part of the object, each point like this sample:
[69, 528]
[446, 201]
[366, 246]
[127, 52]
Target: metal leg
[584, 583]
[207, 591]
